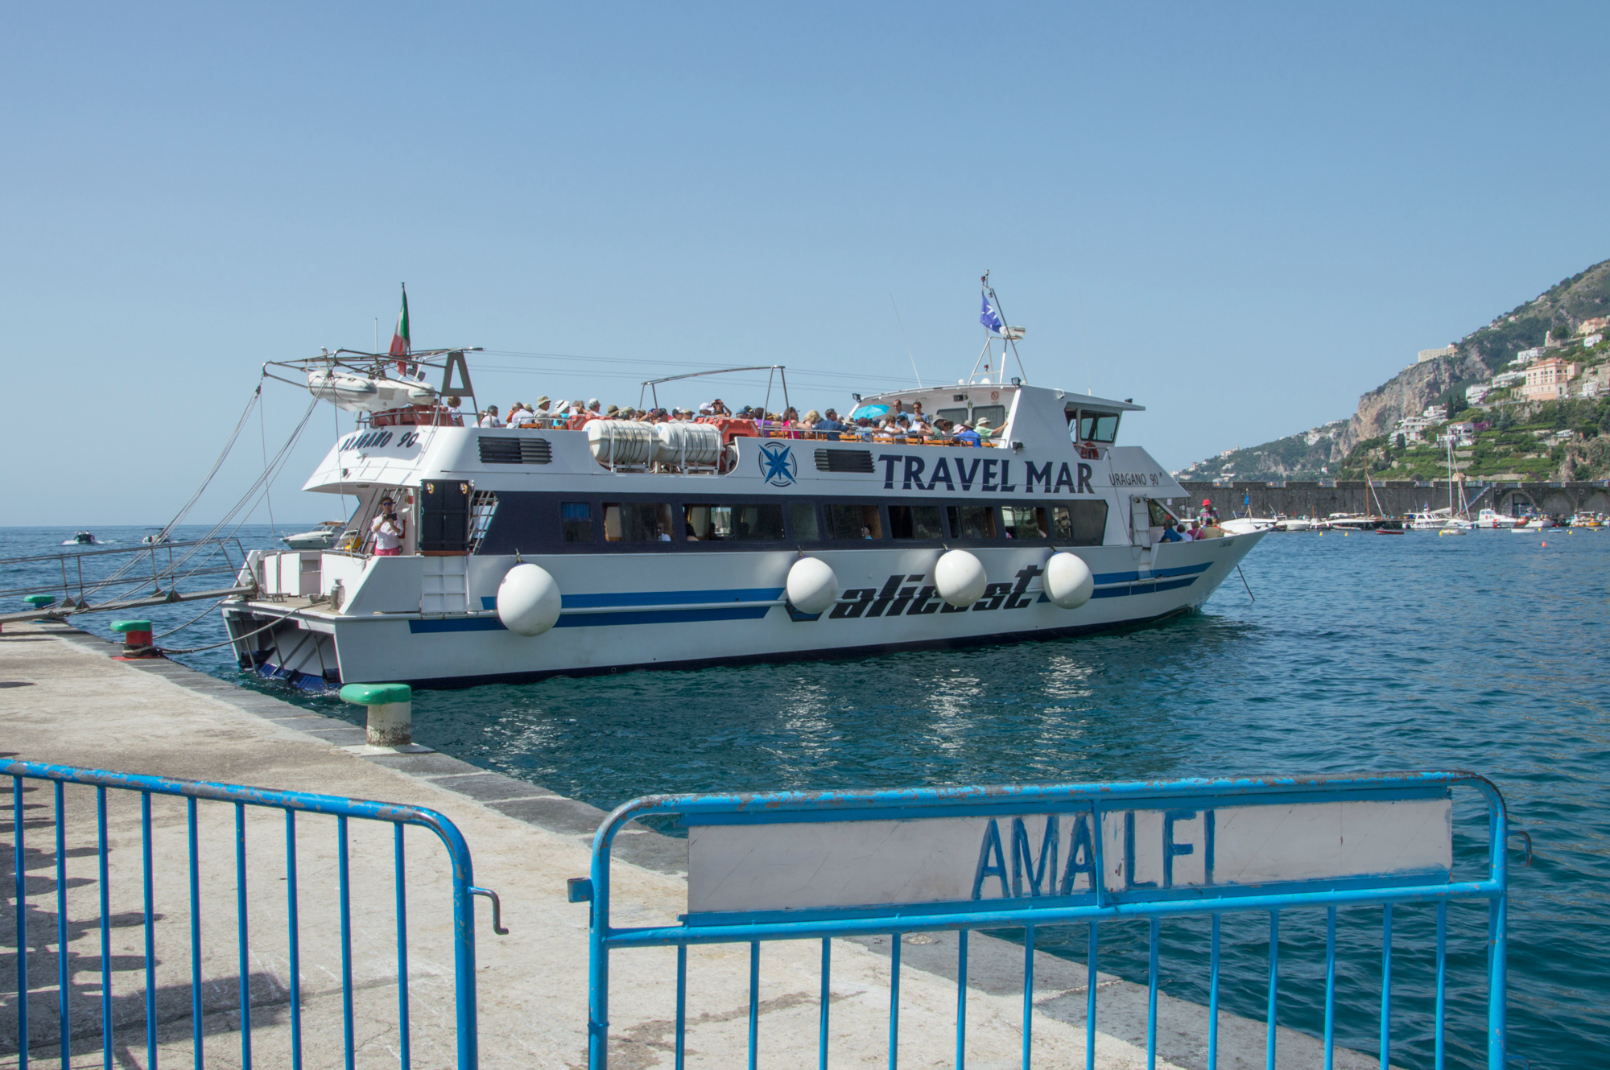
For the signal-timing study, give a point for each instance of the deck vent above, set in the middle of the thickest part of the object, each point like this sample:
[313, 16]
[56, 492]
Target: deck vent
[508, 449]
[844, 461]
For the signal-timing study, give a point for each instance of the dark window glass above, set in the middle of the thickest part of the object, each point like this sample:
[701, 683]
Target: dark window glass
[1079, 524]
[1160, 516]
[576, 521]
[852, 522]
[637, 522]
[1098, 426]
[956, 416]
[914, 522]
[995, 414]
[716, 523]
[803, 514]
[1024, 522]
[971, 521]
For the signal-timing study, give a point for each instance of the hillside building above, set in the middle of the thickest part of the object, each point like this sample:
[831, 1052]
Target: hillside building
[1433, 354]
[1476, 391]
[1548, 380]
[1526, 356]
[1597, 323]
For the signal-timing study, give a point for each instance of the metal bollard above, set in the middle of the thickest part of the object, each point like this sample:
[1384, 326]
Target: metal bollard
[136, 638]
[391, 711]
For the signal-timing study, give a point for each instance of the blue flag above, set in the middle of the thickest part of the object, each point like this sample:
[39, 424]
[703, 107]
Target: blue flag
[989, 317]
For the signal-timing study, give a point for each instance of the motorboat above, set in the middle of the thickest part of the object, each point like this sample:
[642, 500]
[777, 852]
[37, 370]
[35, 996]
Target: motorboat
[1353, 522]
[1294, 523]
[1491, 518]
[1246, 525]
[322, 537]
[602, 544]
[82, 538]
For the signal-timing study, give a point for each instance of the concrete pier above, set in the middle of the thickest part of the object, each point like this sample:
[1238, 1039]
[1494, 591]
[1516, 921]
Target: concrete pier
[63, 699]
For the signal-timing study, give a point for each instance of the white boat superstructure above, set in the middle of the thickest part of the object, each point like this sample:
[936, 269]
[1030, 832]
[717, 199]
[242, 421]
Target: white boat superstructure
[587, 545]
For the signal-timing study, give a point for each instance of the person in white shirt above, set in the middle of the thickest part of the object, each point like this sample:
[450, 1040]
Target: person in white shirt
[388, 530]
[490, 418]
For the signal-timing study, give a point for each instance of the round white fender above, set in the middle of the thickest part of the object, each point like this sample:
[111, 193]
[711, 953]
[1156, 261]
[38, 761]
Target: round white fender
[812, 585]
[959, 578]
[528, 600]
[1068, 582]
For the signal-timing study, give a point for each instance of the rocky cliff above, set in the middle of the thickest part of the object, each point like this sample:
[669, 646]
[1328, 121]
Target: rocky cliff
[1476, 357]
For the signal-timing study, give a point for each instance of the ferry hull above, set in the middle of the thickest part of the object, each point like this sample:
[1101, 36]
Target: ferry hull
[655, 611]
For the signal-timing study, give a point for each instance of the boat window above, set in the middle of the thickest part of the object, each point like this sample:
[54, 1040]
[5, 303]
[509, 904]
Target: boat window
[576, 520]
[971, 521]
[803, 515]
[1024, 522]
[995, 414]
[1160, 516]
[1098, 426]
[716, 523]
[852, 522]
[914, 522]
[637, 522]
[1079, 524]
[955, 416]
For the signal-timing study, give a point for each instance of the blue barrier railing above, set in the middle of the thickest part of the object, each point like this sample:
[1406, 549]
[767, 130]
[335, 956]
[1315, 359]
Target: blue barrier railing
[1326, 842]
[291, 803]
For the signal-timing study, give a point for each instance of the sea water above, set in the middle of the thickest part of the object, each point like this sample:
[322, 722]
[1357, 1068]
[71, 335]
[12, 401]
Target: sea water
[1361, 652]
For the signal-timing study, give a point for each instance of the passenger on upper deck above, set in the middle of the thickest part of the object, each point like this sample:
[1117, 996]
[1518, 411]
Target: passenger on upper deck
[983, 429]
[489, 418]
[830, 422]
[967, 436]
[719, 408]
[452, 408]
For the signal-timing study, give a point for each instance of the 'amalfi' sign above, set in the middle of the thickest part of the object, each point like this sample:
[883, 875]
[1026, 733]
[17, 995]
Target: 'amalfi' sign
[1014, 858]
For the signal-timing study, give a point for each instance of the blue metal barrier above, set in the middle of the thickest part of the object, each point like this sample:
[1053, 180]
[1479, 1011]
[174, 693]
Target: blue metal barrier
[291, 803]
[1402, 818]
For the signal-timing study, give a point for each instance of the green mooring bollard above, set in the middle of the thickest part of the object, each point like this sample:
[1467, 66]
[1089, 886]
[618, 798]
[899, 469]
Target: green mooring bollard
[136, 636]
[391, 711]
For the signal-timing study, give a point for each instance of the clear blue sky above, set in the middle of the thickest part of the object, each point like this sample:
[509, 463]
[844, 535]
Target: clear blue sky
[1242, 216]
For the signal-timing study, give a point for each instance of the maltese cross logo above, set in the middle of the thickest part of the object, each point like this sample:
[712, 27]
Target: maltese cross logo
[777, 464]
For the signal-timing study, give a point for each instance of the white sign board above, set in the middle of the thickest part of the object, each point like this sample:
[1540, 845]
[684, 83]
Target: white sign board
[805, 865]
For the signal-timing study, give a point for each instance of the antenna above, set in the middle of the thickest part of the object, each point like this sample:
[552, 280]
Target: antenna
[906, 340]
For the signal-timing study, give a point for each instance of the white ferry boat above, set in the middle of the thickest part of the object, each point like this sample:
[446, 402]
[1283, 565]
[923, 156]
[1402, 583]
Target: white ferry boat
[588, 545]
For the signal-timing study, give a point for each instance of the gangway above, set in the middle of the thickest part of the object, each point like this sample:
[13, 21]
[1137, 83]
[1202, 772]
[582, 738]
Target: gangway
[124, 578]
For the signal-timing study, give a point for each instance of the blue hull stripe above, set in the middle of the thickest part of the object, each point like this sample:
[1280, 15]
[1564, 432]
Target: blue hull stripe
[663, 616]
[658, 598]
[595, 620]
[1126, 590]
[1131, 577]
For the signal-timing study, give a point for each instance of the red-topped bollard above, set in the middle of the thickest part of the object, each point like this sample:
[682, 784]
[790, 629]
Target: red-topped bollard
[136, 638]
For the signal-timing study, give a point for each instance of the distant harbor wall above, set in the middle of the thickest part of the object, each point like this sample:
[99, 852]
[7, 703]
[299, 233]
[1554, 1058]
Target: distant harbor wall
[1396, 497]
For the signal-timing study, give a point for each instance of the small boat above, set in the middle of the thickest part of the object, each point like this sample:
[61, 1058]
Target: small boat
[155, 537]
[1491, 518]
[1246, 525]
[1295, 523]
[82, 538]
[320, 538]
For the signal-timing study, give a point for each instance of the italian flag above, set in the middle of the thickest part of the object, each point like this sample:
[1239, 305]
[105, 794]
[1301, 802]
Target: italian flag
[399, 337]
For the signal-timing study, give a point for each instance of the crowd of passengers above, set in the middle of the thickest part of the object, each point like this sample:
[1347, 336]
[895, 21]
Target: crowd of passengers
[899, 423]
